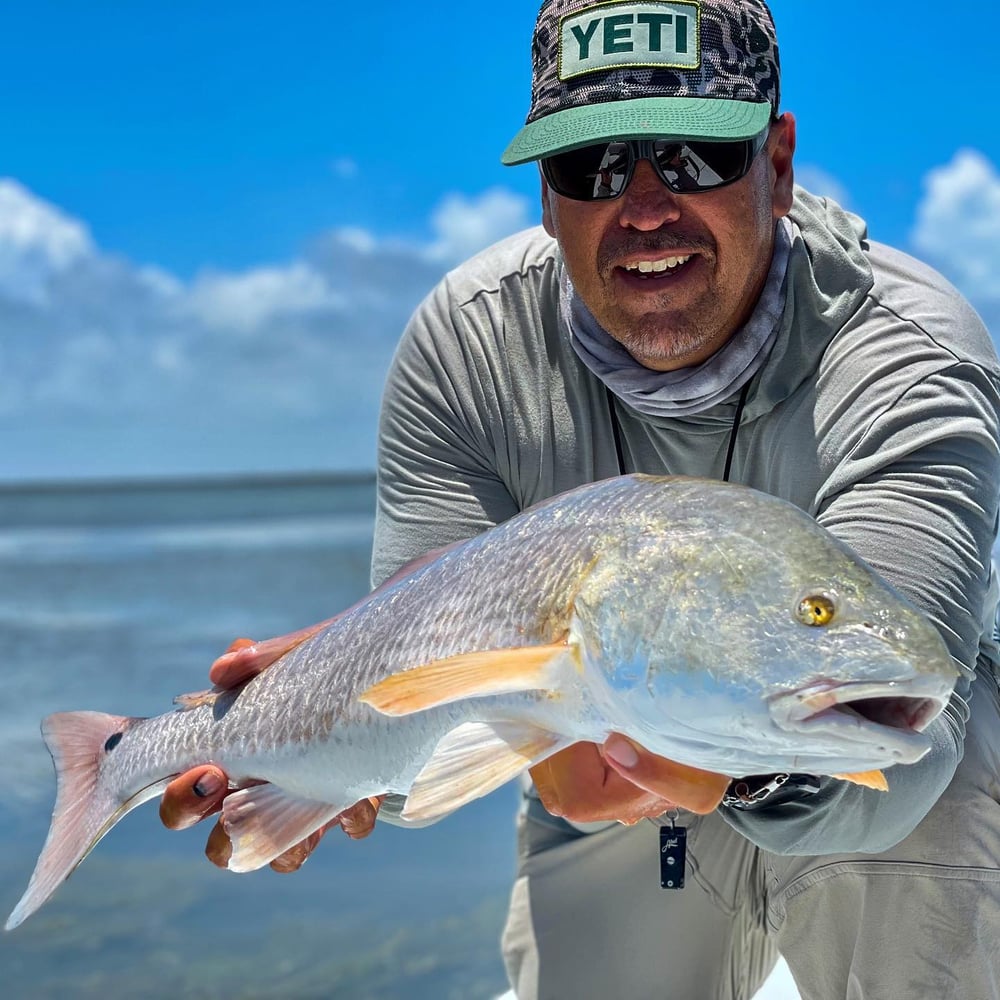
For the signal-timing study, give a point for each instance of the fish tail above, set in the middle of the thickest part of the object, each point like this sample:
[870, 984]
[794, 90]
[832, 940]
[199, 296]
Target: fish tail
[85, 807]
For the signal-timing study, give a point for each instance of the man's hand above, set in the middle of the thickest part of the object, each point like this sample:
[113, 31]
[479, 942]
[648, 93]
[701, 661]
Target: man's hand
[199, 792]
[622, 781]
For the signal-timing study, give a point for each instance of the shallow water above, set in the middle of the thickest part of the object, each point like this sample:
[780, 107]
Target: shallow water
[118, 598]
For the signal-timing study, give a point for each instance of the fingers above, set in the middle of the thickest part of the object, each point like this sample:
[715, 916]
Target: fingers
[568, 776]
[357, 822]
[578, 785]
[200, 791]
[238, 644]
[622, 781]
[194, 795]
[237, 664]
[245, 658]
[219, 848]
[688, 787]
[295, 857]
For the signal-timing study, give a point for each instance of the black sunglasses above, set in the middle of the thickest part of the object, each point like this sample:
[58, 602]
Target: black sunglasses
[603, 171]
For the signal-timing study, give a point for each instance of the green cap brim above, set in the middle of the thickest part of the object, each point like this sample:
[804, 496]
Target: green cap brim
[666, 117]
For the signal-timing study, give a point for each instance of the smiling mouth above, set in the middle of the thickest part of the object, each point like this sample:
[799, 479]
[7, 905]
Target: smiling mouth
[655, 268]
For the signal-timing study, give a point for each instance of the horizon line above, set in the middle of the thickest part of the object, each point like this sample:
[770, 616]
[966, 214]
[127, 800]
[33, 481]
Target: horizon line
[181, 481]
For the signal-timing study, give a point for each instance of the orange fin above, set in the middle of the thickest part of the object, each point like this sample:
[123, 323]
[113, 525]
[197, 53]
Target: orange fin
[263, 821]
[473, 760]
[470, 675]
[868, 779]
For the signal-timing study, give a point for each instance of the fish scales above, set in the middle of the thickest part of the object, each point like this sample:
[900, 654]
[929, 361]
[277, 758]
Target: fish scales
[716, 625]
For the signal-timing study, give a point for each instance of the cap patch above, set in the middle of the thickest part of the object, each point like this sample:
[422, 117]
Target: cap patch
[617, 35]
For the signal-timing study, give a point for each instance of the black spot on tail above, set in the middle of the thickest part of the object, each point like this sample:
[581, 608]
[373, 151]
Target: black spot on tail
[113, 740]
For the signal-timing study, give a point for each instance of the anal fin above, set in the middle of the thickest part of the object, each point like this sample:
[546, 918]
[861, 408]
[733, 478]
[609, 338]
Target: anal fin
[867, 779]
[474, 759]
[263, 821]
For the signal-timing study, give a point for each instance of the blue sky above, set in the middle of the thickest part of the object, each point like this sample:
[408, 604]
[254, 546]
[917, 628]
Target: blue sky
[215, 219]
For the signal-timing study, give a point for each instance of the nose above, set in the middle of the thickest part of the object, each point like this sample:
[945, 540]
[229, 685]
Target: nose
[647, 203]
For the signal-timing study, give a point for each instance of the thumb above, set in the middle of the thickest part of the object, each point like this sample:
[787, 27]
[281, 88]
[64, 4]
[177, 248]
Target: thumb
[690, 788]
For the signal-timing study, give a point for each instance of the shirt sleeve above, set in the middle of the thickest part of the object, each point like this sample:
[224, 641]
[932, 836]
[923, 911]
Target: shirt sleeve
[438, 438]
[917, 499]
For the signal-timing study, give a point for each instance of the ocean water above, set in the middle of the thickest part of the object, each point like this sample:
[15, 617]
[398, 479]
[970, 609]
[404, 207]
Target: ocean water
[116, 597]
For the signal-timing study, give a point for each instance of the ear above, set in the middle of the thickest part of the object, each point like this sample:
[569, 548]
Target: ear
[781, 150]
[547, 195]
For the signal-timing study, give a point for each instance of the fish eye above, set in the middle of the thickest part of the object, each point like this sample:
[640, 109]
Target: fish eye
[815, 609]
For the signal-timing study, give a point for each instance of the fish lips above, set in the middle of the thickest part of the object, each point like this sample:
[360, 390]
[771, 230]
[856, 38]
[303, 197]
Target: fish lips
[887, 716]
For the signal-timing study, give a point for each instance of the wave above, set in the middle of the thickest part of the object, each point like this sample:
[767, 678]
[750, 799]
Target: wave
[102, 543]
[119, 503]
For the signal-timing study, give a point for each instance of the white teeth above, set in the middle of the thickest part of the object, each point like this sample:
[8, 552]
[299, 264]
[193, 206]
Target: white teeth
[657, 266]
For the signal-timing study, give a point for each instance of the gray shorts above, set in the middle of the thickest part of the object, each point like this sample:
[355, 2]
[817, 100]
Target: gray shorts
[588, 918]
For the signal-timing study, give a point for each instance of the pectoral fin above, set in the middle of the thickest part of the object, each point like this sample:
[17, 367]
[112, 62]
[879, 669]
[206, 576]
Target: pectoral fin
[473, 760]
[868, 779]
[471, 675]
[264, 821]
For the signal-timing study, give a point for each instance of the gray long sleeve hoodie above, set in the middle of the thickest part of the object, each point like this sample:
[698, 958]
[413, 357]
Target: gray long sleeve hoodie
[877, 410]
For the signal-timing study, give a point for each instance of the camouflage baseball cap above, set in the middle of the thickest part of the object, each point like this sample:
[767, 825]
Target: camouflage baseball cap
[705, 69]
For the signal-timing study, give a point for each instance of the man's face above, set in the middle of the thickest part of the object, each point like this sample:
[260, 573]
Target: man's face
[717, 247]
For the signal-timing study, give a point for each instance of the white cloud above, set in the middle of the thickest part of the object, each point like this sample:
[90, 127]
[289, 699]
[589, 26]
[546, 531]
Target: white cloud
[282, 365]
[36, 240]
[818, 182]
[30, 225]
[109, 367]
[253, 300]
[958, 226]
[357, 239]
[464, 226]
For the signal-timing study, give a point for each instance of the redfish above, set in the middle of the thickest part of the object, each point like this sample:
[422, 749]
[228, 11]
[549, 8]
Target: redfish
[711, 623]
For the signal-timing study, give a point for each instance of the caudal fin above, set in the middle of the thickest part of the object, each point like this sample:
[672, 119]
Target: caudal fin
[84, 811]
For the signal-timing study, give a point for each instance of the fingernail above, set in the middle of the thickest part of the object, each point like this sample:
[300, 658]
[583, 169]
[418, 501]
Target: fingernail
[351, 824]
[621, 752]
[207, 785]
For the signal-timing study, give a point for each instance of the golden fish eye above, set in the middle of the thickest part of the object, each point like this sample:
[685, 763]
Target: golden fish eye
[816, 609]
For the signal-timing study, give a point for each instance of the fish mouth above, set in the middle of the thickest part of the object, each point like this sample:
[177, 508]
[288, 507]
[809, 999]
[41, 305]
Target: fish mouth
[888, 716]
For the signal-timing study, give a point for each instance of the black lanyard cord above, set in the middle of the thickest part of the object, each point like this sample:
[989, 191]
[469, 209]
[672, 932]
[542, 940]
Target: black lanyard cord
[737, 417]
[620, 449]
[616, 431]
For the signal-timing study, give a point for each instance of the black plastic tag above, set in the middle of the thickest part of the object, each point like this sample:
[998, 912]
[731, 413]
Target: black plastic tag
[673, 855]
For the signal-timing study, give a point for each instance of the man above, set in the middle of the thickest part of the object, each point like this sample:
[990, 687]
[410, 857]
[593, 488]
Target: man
[686, 311]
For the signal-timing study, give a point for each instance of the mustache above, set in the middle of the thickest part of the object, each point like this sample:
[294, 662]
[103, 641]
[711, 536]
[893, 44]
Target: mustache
[612, 251]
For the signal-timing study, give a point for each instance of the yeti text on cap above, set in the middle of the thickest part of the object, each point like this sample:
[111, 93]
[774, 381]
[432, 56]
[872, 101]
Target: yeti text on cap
[612, 35]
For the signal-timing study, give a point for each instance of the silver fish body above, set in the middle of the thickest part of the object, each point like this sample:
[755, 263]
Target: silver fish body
[716, 625]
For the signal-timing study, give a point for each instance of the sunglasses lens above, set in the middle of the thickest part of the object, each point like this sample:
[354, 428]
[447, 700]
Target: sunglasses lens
[591, 173]
[596, 173]
[701, 166]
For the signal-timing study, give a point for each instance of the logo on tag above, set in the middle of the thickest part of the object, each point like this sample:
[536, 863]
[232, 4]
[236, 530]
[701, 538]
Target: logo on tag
[617, 35]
